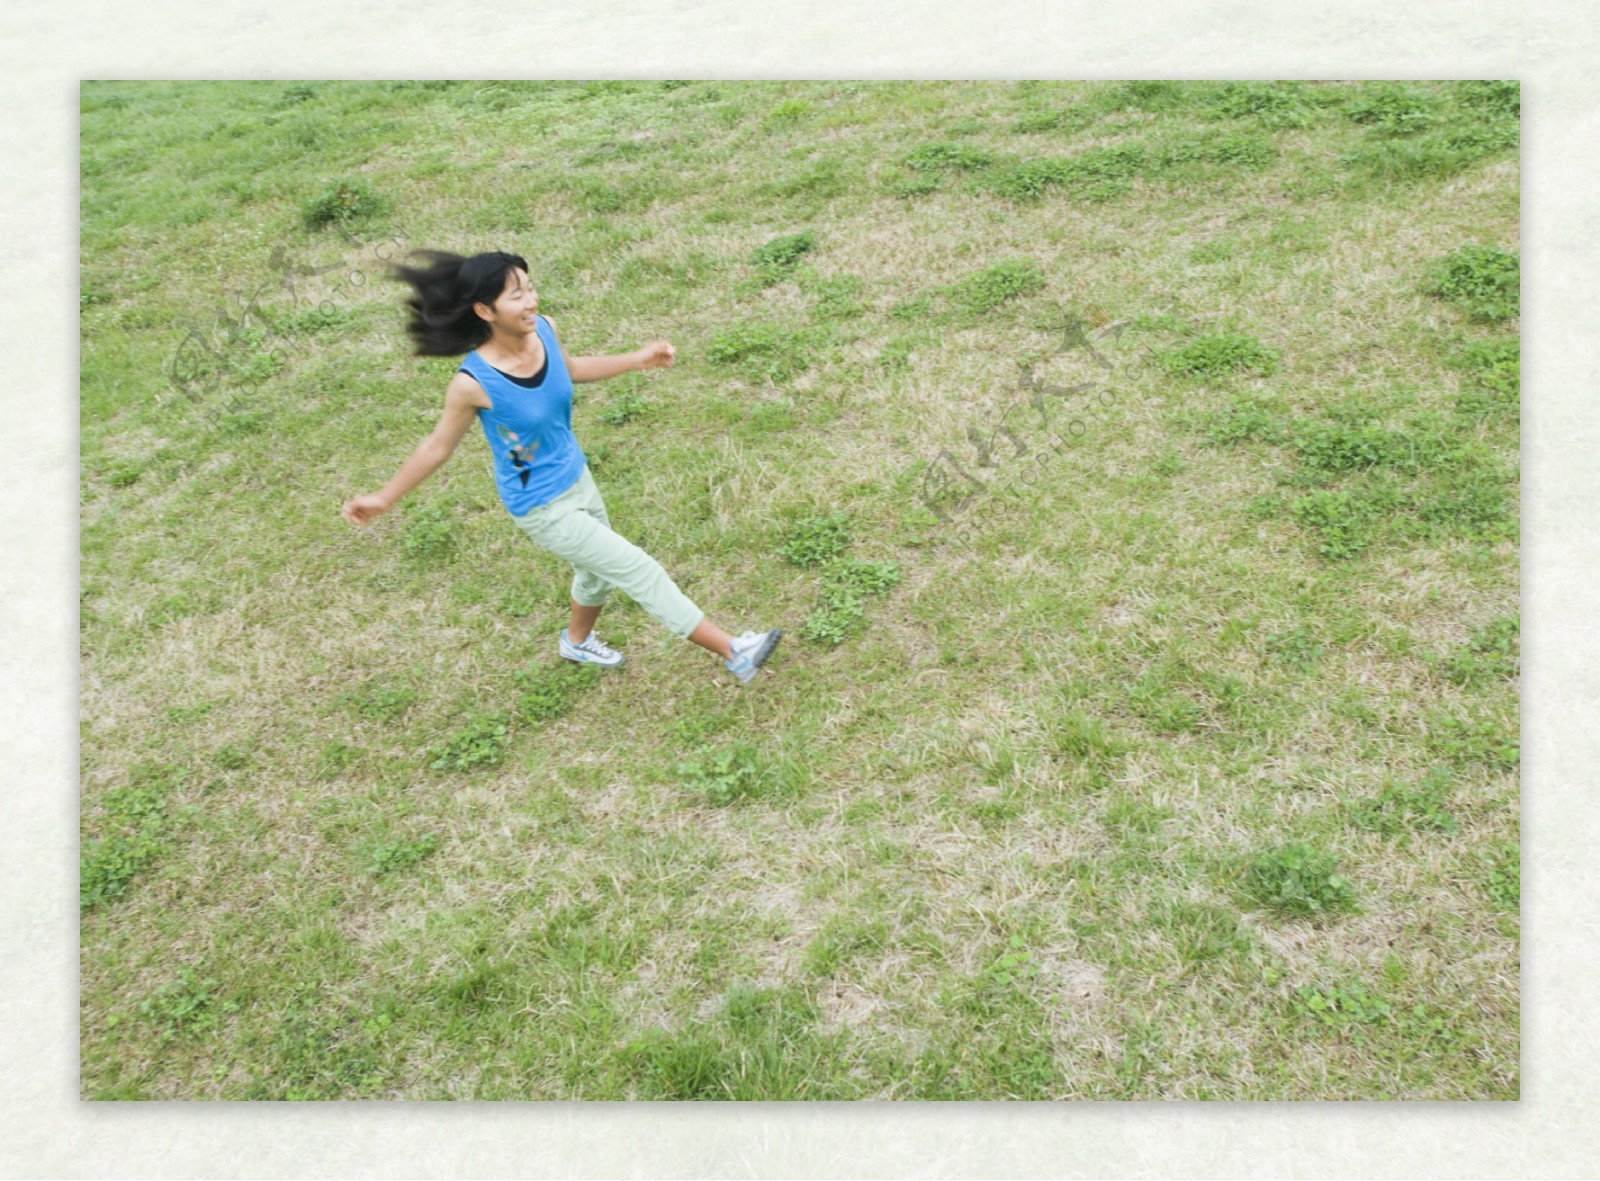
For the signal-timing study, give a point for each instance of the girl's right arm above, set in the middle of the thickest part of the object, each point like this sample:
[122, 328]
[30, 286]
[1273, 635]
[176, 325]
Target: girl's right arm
[461, 404]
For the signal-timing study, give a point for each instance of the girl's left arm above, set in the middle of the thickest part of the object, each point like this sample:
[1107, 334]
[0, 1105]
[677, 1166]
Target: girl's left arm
[652, 356]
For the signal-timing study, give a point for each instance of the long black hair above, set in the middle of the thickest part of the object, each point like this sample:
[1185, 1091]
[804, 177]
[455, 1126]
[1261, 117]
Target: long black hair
[442, 322]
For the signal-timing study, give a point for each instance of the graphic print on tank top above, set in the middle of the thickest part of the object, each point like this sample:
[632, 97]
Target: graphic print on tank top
[520, 455]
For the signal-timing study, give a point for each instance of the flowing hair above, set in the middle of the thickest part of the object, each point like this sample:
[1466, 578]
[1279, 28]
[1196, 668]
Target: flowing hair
[442, 322]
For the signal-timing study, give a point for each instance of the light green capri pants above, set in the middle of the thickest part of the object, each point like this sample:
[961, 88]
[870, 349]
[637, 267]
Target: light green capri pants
[575, 528]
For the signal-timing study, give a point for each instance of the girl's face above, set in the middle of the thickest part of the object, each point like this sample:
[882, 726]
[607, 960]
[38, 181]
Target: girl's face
[514, 310]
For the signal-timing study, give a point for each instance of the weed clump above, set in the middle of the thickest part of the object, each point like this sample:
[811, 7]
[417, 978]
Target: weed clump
[1243, 417]
[918, 307]
[1346, 521]
[1093, 176]
[184, 1007]
[1217, 354]
[1397, 810]
[766, 352]
[1273, 104]
[392, 856]
[1430, 156]
[1391, 110]
[1333, 448]
[626, 406]
[1494, 367]
[918, 184]
[775, 258]
[1355, 1011]
[1148, 94]
[480, 743]
[1489, 655]
[1501, 98]
[430, 534]
[335, 758]
[1341, 1007]
[1243, 151]
[836, 296]
[1474, 503]
[816, 539]
[726, 774]
[846, 584]
[347, 199]
[137, 829]
[1503, 881]
[379, 698]
[935, 157]
[1300, 880]
[1475, 738]
[1296, 648]
[550, 691]
[1483, 281]
[985, 290]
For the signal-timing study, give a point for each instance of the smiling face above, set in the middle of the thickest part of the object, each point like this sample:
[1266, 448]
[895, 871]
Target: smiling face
[513, 311]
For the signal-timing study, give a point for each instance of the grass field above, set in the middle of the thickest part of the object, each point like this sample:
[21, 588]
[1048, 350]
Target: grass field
[1177, 758]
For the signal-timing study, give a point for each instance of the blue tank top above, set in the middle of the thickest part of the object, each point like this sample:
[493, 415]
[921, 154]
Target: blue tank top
[529, 429]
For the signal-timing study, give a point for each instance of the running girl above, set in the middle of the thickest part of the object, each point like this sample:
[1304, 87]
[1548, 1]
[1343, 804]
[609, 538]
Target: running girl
[517, 380]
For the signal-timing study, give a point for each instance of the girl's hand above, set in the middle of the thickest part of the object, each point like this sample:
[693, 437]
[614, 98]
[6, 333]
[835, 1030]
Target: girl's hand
[656, 354]
[363, 510]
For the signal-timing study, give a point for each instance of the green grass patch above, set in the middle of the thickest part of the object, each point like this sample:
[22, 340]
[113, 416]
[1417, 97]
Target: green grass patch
[379, 698]
[188, 1006]
[1483, 281]
[1219, 354]
[984, 291]
[345, 200]
[1278, 105]
[1477, 737]
[815, 539]
[1394, 109]
[936, 157]
[1494, 374]
[760, 351]
[764, 1044]
[846, 584]
[549, 691]
[431, 534]
[728, 773]
[480, 743]
[1301, 881]
[1397, 809]
[137, 825]
[1489, 656]
[1502, 879]
[776, 257]
[391, 856]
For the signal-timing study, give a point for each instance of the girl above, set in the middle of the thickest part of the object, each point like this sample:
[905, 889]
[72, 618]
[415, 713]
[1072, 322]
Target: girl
[517, 380]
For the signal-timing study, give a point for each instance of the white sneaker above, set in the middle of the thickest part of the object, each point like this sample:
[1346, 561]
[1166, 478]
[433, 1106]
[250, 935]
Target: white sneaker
[591, 651]
[750, 652]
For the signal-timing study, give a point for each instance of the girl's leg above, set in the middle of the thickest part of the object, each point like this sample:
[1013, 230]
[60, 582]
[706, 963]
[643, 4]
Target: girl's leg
[712, 638]
[582, 620]
[707, 634]
[577, 529]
